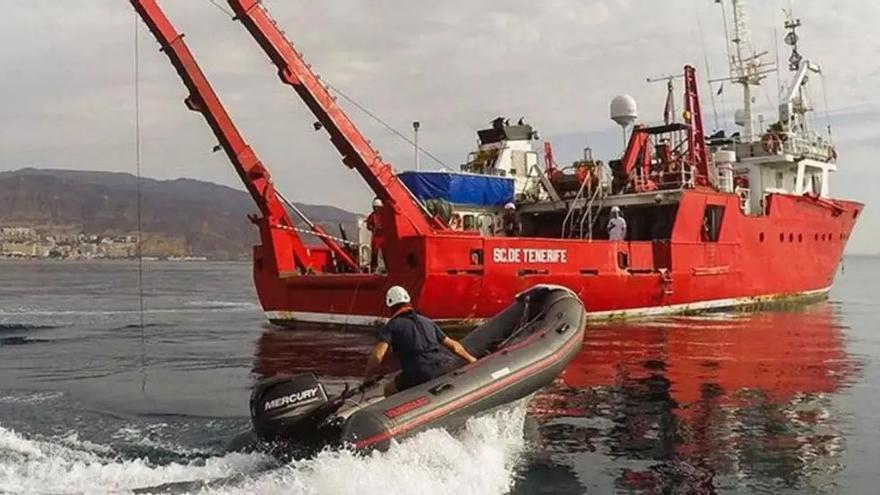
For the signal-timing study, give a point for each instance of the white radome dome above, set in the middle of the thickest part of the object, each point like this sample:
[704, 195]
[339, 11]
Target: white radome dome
[624, 110]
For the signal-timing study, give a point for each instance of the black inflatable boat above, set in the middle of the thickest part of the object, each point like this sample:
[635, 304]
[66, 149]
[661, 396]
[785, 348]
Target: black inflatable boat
[520, 350]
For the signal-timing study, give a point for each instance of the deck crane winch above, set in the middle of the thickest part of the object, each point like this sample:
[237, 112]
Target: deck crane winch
[276, 227]
[637, 159]
[409, 219]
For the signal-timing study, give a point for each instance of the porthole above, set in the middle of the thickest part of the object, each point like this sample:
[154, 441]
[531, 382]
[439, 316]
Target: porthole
[817, 236]
[781, 237]
[800, 237]
[761, 237]
[823, 237]
[790, 237]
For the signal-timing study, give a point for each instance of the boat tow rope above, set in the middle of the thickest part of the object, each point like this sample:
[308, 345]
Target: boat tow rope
[139, 245]
[316, 234]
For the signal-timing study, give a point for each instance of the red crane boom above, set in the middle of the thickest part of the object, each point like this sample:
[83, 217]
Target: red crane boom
[356, 151]
[277, 226]
[694, 115]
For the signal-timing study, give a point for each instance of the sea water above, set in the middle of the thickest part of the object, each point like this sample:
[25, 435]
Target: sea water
[782, 401]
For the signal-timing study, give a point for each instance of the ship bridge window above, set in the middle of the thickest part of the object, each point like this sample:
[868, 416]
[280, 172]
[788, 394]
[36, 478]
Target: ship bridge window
[713, 215]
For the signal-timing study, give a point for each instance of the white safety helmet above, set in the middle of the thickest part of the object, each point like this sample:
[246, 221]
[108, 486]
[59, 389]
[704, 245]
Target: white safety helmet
[615, 209]
[377, 203]
[396, 295]
[510, 206]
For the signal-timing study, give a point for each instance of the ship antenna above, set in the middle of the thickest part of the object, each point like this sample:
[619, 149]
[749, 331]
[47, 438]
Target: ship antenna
[726, 31]
[827, 108]
[746, 67]
[776, 53]
[139, 243]
[708, 71]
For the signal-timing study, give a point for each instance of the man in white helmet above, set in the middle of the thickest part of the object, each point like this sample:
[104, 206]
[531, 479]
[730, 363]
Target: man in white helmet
[616, 225]
[374, 225]
[510, 224]
[421, 347]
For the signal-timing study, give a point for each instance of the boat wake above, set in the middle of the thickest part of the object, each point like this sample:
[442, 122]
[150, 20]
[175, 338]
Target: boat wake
[63, 465]
[482, 458]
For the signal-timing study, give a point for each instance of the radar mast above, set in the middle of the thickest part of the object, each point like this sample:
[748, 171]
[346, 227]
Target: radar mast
[746, 65]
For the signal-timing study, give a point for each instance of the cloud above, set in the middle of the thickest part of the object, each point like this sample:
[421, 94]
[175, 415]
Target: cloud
[453, 66]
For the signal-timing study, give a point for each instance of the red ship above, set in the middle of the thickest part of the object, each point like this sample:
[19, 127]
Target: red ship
[712, 221]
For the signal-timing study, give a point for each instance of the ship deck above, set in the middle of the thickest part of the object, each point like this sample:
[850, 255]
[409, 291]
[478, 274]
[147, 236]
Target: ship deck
[660, 197]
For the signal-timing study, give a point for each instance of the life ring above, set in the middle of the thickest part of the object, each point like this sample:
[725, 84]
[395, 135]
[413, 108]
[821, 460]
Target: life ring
[772, 143]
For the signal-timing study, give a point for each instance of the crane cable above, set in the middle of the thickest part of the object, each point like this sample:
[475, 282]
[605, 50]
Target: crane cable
[386, 125]
[222, 8]
[360, 107]
[139, 245]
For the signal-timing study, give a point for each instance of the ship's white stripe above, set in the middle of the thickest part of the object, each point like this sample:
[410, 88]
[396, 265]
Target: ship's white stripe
[368, 320]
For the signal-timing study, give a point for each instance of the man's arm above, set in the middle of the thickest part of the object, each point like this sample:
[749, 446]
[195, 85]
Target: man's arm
[375, 360]
[458, 349]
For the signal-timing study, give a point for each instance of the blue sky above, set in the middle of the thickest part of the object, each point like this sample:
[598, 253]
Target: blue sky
[68, 82]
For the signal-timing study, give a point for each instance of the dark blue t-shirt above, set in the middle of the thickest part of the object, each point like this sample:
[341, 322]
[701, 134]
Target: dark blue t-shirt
[416, 341]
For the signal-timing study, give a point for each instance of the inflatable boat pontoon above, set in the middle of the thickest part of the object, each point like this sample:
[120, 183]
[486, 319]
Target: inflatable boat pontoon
[520, 350]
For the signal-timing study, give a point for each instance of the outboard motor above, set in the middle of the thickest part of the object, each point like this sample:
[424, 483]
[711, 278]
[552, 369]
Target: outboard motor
[285, 408]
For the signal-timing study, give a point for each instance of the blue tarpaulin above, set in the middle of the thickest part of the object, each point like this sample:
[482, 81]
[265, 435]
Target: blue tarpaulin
[460, 188]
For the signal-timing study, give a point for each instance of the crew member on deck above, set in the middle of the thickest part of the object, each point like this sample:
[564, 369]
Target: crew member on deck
[374, 225]
[616, 225]
[510, 221]
[421, 347]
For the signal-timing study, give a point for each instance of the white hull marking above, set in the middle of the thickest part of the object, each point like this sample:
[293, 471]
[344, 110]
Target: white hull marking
[369, 320]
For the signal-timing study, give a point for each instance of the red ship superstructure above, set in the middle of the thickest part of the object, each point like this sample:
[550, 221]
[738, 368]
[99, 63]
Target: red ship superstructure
[712, 221]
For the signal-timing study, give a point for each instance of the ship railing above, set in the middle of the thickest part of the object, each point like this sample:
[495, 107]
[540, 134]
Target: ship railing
[588, 216]
[807, 146]
[684, 177]
[796, 144]
[567, 222]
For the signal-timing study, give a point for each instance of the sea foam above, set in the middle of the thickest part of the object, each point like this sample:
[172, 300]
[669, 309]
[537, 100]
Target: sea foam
[481, 458]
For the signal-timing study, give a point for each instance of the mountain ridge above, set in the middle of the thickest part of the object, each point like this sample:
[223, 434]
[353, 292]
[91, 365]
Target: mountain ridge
[180, 217]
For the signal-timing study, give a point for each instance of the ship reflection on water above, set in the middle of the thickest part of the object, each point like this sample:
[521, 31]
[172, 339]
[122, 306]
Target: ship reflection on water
[722, 402]
[330, 354]
[705, 403]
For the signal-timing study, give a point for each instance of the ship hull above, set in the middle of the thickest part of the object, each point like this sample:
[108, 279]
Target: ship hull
[792, 252]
